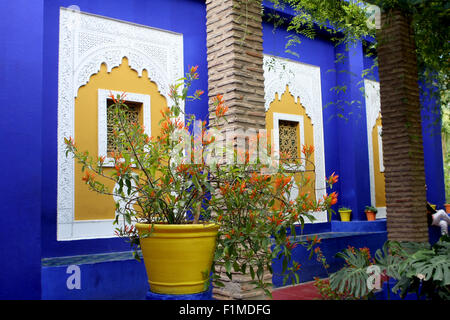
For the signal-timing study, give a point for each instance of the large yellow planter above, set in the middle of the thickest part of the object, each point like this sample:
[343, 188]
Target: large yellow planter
[178, 258]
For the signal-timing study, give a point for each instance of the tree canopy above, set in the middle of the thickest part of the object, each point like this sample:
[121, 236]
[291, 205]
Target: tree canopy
[347, 21]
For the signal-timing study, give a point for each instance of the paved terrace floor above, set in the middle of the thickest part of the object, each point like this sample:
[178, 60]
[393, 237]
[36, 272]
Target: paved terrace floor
[303, 291]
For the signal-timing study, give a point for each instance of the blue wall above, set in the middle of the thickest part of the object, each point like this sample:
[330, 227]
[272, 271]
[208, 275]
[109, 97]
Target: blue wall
[20, 143]
[109, 280]
[432, 147]
[28, 131]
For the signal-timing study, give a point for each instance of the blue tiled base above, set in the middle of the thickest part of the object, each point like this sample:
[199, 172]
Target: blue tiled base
[385, 295]
[206, 295]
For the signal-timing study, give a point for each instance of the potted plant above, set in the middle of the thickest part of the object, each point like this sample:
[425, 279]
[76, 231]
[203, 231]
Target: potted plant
[189, 213]
[345, 213]
[371, 212]
[158, 203]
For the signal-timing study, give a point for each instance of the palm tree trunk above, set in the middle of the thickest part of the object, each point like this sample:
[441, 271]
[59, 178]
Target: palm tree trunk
[402, 133]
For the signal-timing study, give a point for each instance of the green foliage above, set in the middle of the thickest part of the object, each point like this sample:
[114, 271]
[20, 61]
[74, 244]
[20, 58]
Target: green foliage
[424, 270]
[327, 293]
[257, 218]
[352, 278]
[370, 208]
[347, 22]
[418, 268]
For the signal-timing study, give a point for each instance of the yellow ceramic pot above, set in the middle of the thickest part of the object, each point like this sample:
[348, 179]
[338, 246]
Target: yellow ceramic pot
[178, 258]
[345, 215]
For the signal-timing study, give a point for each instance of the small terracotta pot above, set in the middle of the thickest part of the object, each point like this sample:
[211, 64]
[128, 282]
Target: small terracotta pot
[447, 207]
[370, 215]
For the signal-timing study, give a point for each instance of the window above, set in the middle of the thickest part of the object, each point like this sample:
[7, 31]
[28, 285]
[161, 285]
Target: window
[139, 111]
[132, 116]
[288, 138]
[288, 135]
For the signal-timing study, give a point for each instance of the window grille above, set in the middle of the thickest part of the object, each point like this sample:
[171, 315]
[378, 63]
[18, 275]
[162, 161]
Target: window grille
[288, 138]
[132, 116]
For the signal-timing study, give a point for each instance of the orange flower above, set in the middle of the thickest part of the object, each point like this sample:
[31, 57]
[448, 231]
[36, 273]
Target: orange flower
[221, 110]
[316, 239]
[69, 141]
[111, 96]
[290, 245]
[219, 98]
[281, 182]
[88, 176]
[181, 168]
[276, 220]
[307, 151]
[193, 69]
[171, 91]
[122, 97]
[333, 198]
[333, 178]
[117, 167]
[242, 186]
[224, 189]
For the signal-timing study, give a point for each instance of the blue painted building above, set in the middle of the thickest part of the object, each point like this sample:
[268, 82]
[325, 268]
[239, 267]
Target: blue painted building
[43, 65]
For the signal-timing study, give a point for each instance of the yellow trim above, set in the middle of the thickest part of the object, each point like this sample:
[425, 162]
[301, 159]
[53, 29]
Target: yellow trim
[380, 196]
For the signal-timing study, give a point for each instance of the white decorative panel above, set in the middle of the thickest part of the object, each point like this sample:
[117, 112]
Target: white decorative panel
[372, 93]
[305, 84]
[380, 147]
[85, 42]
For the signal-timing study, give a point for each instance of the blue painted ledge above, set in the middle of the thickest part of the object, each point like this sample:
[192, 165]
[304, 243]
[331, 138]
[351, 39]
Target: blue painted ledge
[107, 276]
[358, 226]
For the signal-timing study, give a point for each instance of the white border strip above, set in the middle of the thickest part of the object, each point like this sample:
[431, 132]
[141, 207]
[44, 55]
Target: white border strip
[372, 93]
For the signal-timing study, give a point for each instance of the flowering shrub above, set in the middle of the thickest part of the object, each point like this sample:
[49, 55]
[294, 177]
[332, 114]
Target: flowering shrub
[257, 215]
[157, 181]
[323, 285]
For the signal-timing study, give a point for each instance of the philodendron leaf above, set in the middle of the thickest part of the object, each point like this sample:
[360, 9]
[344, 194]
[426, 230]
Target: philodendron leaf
[228, 266]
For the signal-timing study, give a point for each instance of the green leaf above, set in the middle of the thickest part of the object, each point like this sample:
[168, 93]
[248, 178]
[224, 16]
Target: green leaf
[228, 265]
